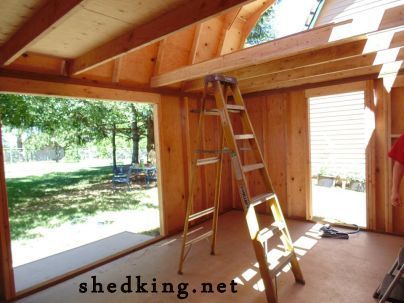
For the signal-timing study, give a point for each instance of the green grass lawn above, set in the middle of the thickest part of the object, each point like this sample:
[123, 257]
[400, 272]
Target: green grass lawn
[53, 199]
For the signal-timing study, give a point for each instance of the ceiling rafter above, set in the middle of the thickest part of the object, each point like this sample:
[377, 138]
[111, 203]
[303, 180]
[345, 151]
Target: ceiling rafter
[47, 17]
[189, 13]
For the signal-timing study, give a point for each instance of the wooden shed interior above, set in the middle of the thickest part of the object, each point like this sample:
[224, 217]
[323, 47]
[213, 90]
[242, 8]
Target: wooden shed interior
[159, 51]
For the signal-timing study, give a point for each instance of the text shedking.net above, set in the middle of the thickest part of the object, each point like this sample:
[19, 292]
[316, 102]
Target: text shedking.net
[138, 285]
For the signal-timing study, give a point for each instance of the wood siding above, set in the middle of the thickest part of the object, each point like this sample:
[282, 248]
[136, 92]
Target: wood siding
[337, 132]
[359, 11]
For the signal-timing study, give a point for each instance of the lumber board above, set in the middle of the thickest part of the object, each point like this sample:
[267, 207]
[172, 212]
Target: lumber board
[379, 62]
[371, 213]
[76, 89]
[297, 165]
[316, 38]
[378, 71]
[41, 23]
[374, 44]
[279, 48]
[381, 157]
[187, 14]
[240, 25]
[7, 288]
[275, 143]
[172, 164]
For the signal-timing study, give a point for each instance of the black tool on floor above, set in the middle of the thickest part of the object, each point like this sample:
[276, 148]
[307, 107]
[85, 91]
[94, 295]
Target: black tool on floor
[392, 287]
[328, 232]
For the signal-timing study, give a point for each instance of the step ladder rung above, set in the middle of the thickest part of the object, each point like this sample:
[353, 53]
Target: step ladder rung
[207, 161]
[245, 149]
[213, 111]
[252, 167]
[201, 213]
[212, 151]
[207, 112]
[257, 200]
[229, 103]
[268, 232]
[221, 78]
[235, 107]
[283, 261]
[244, 137]
[200, 238]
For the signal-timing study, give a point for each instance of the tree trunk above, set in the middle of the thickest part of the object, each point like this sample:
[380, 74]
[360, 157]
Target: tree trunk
[114, 146]
[150, 132]
[19, 146]
[135, 151]
[135, 136]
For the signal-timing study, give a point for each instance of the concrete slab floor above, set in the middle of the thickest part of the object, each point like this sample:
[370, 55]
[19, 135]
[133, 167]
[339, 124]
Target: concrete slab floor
[335, 270]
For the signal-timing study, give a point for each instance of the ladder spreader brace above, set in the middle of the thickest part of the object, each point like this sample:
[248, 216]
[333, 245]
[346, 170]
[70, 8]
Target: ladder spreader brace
[222, 87]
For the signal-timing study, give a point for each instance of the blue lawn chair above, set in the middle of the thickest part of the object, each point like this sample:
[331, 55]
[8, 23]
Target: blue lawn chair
[151, 175]
[121, 175]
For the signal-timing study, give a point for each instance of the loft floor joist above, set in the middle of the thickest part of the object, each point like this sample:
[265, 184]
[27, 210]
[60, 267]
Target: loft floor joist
[315, 52]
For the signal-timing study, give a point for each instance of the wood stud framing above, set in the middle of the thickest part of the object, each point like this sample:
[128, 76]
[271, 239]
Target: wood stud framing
[183, 16]
[283, 68]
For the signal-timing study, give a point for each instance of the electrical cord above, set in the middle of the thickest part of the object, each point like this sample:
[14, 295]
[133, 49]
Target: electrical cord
[328, 232]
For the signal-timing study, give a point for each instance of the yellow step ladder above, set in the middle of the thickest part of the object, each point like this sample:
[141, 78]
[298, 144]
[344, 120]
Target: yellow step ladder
[230, 108]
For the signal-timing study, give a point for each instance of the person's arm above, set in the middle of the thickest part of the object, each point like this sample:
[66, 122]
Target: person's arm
[398, 172]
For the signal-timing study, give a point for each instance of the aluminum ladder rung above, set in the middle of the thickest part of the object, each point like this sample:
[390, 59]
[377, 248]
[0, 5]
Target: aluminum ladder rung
[201, 214]
[252, 167]
[199, 238]
[257, 200]
[207, 161]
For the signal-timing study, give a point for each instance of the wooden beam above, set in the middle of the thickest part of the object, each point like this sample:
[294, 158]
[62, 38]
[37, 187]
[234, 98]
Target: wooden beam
[374, 72]
[276, 49]
[187, 14]
[377, 62]
[239, 25]
[51, 14]
[311, 58]
[314, 39]
[76, 89]
[7, 289]
[90, 84]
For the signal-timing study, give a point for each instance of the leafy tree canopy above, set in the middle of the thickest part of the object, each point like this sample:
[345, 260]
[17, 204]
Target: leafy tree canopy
[263, 30]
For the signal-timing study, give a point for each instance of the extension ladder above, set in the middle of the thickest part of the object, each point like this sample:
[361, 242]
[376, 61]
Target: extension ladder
[222, 87]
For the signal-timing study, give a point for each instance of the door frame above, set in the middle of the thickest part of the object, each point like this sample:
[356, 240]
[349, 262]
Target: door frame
[367, 88]
[7, 281]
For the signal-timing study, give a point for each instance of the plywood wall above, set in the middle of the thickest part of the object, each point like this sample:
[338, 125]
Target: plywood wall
[281, 132]
[282, 127]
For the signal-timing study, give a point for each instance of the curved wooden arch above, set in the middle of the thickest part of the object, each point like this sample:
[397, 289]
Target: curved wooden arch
[241, 24]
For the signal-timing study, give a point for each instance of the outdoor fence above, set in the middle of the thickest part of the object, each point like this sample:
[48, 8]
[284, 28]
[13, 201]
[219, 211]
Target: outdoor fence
[21, 155]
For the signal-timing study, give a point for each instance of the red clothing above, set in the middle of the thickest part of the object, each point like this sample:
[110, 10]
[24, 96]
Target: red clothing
[397, 151]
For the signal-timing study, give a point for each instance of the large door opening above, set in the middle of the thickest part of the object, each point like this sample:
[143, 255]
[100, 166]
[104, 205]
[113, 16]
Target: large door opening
[338, 157]
[81, 182]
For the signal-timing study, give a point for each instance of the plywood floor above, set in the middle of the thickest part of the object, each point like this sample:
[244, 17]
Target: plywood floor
[335, 270]
[34, 273]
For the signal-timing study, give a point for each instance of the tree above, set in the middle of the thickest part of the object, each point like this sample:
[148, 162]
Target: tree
[63, 123]
[141, 114]
[263, 30]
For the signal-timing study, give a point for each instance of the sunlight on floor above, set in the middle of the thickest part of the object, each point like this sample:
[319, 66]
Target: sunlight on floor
[339, 205]
[302, 246]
